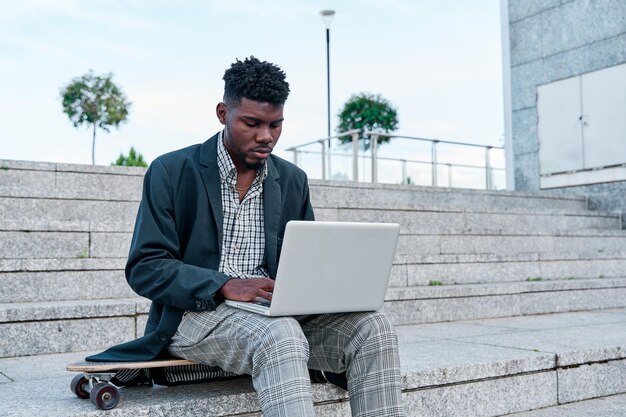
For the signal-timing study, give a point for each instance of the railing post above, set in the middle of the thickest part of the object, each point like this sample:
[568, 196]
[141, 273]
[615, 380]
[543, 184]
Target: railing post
[374, 144]
[404, 173]
[488, 168]
[322, 142]
[355, 156]
[295, 156]
[330, 156]
[434, 161]
[449, 175]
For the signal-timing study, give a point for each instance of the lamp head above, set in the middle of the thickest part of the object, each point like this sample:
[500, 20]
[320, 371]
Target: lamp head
[327, 17]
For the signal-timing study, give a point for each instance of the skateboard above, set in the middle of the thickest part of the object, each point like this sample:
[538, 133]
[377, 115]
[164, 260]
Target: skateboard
[94, 380]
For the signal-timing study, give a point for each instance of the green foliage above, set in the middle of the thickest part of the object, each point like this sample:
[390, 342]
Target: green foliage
[533, 279]
[434, 283]
[367, 112]
[134, 159]
[96, 101]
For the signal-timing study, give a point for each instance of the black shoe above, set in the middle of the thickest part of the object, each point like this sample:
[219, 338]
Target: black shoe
[338, 380]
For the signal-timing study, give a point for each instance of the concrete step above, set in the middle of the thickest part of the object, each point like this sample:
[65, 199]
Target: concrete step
[416, 305]
[51, 212]
[59, 210]
[493, 367]
[24, 287]
[24, 245]
[93, 278]
[482, 269]
[66, 326]
[610, 406]
[414, 221]
[118, 263]
[62, 264]
[84, 284]
[413, 305]
[333, 194]
[411, 222]
[480, 243]
[70, 181]
[66, 181]
[69, 245]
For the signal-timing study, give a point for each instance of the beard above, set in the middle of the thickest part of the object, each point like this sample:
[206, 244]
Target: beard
[250, 165]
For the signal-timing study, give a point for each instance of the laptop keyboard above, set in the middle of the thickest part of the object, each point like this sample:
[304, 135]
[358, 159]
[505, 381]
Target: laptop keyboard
[265, 303]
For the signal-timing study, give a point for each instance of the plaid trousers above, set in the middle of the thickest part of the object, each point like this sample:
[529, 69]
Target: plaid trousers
[277, 352]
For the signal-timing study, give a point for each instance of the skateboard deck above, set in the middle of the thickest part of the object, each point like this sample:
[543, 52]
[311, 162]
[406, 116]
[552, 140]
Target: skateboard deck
[93, 367]
[94, 380]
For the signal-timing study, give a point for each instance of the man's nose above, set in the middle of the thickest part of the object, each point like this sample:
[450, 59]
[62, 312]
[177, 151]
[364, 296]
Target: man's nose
[264, 135]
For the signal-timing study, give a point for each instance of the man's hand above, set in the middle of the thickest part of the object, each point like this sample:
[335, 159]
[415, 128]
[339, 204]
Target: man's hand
[247, 289]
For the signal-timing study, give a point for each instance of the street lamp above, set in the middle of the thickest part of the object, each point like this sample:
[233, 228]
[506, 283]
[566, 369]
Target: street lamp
[327, 18]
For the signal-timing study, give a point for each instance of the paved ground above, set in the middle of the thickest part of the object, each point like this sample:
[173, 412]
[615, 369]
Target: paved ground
[471, 364]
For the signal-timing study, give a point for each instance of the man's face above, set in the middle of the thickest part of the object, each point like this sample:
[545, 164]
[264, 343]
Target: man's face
[251, 131]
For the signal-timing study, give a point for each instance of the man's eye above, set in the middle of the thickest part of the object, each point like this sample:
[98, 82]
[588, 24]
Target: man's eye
[251, 124]
[275, 125]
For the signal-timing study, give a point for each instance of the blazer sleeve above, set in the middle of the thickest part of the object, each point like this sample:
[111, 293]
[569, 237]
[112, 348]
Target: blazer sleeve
[154, 269]
[307, 209]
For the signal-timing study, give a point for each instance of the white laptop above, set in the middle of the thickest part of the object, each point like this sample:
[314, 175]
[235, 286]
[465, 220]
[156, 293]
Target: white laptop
[330, 267]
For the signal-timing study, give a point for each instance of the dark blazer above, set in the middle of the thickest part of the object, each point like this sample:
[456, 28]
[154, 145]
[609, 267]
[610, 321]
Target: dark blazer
[176, 246]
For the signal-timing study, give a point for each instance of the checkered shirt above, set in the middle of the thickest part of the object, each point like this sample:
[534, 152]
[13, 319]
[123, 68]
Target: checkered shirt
[243, 246]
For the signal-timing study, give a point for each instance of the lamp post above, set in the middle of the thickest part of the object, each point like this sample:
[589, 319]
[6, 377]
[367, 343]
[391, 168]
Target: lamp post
[327, 18]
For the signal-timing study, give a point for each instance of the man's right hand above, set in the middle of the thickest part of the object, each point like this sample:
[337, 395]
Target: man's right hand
[247, 289]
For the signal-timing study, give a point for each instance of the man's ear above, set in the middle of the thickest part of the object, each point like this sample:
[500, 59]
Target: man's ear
[222, 112]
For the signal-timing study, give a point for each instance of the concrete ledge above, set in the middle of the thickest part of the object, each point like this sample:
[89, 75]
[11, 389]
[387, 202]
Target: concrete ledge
[592, 381]
[62, 264]
[475, 290]
[24, 245]
[432, 310]
[411, 221]
[448, 221]
[45, 180]
[612, 406]
[59, 336]
[447, 368]
[506, 257]
[25, 287]
[74, 309]
[415, 274]
[404, 307]
[12, 164]
[573, 294]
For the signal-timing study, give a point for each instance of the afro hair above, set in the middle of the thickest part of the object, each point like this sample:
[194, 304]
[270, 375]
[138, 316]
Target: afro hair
[255, 80]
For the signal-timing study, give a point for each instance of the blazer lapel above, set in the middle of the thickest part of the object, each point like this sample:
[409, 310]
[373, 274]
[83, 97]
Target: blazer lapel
[271, 204]
[211, 179]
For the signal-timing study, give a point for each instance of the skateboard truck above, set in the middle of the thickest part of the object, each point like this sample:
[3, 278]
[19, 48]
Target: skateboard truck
[98, 388]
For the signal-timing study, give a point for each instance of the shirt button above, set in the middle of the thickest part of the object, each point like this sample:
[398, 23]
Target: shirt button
[163, 337]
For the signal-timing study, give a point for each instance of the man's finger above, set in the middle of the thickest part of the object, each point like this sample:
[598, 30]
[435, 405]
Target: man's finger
[264, 294]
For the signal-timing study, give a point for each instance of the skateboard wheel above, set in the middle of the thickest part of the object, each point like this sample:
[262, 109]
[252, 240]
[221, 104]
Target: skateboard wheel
[79, 386]
[104, 396]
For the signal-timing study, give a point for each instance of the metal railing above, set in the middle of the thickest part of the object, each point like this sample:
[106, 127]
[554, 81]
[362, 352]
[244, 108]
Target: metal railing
[434, 163]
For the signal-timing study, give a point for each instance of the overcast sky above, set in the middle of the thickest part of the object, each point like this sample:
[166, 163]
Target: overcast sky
[437, 61]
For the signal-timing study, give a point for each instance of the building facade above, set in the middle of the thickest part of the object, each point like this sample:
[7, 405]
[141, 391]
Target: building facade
[565, 66]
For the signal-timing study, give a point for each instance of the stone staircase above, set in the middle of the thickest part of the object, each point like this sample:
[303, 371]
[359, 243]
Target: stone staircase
[462, 255]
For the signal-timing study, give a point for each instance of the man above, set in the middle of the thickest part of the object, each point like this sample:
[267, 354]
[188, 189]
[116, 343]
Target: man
[210, 227]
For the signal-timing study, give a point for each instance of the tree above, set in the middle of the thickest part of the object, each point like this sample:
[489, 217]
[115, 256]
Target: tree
[94, 100]
[367, 112]
[133, 159]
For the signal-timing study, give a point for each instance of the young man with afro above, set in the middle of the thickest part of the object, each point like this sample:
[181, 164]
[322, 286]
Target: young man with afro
[210, 227]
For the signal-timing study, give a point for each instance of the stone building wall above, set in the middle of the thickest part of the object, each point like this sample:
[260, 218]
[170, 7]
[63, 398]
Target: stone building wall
[552, 40]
